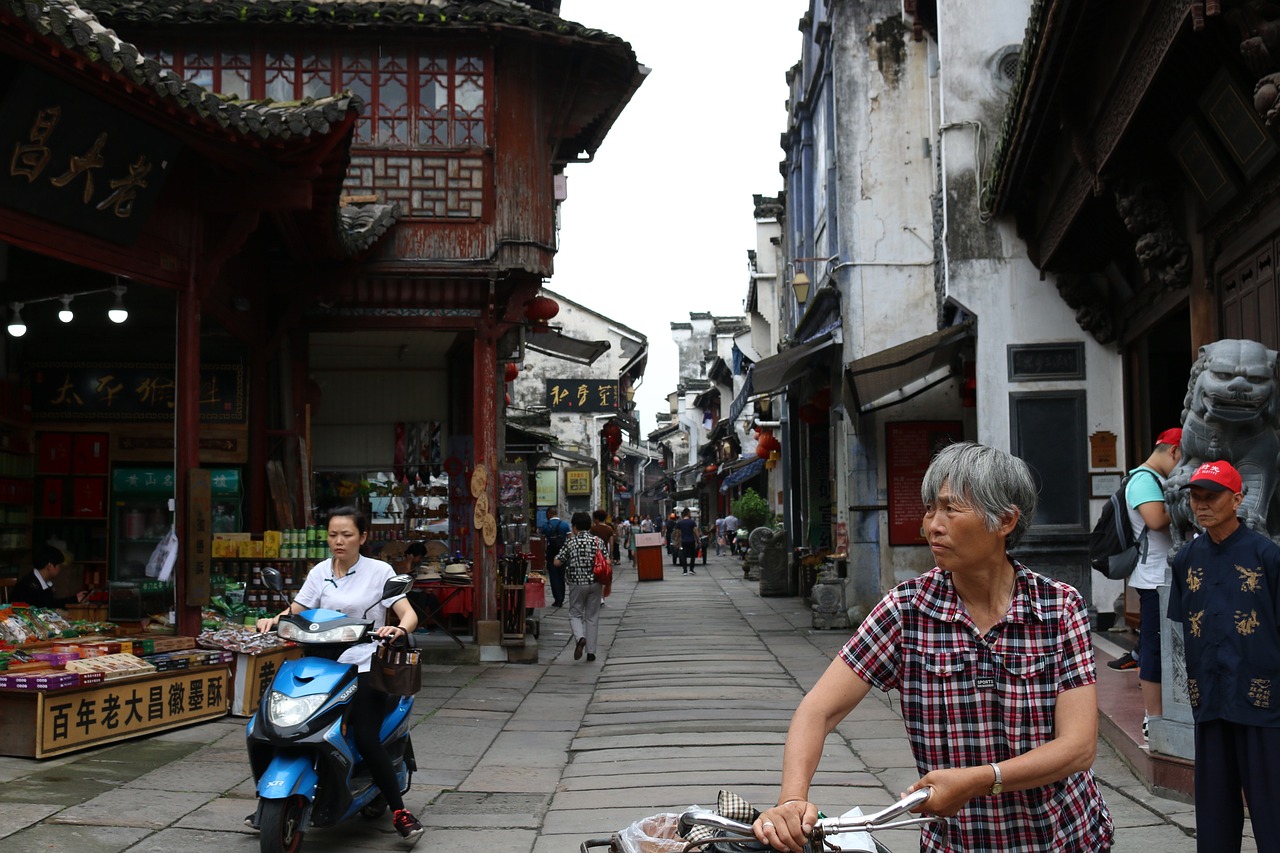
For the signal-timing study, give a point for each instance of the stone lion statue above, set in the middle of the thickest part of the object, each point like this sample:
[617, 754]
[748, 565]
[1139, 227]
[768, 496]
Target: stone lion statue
[1231, 412]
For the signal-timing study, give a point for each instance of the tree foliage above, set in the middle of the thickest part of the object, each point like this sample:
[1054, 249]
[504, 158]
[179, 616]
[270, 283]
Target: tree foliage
[751, 510]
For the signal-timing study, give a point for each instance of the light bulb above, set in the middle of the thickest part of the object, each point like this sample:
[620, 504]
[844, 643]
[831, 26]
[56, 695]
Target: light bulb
[65, 314]
[17, 327]
[117, 313]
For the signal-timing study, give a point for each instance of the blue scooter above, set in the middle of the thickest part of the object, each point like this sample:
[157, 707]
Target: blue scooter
[308, 770]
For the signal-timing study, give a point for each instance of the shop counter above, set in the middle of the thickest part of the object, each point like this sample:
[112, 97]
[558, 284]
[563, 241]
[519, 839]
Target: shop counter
[44, 723]
[251, 676]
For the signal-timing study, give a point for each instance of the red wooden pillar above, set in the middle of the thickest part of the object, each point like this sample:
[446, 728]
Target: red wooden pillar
[186, 435]
[484, 421]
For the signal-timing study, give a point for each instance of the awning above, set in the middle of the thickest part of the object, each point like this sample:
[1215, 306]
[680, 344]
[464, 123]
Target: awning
[741, 475]
[740, 402]
[685, 494]
[779, 371]
[570, 456]
[897, 374]
[555, 343]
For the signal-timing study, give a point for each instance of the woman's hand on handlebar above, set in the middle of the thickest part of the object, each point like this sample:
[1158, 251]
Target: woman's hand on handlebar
[952, 789]
[390, 632]
[786, 826]
[269, 623]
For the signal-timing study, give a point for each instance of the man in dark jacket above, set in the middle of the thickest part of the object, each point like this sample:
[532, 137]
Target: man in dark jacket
[555, 532]
[36, 588]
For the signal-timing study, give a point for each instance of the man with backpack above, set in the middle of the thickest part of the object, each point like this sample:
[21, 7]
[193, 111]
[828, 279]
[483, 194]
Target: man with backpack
[1144, 500]
[555, 532]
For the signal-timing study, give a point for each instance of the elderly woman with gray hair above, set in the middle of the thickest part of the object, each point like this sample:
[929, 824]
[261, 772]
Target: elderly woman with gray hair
[996, 674]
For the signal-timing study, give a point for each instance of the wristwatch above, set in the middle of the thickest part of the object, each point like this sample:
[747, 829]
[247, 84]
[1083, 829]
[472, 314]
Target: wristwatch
[998, 785]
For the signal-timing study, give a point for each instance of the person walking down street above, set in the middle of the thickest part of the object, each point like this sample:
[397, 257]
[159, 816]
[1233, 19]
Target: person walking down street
[1225, 592]
[994, 666]
[731, 525]
[673, 539]
[646, 525]
[1144, 499]
[705, 533]
[687, 533]
[578, 558]
[628, 534]
[719, 534]
[352, 583]
[554, 533]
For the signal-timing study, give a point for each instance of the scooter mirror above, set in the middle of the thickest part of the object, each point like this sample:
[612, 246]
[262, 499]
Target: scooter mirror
[272, 578]
[397, 586]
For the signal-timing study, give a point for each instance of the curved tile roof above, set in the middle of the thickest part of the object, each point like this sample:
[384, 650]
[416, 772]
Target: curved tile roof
[362, 226]
[419, 14]
[79, 30]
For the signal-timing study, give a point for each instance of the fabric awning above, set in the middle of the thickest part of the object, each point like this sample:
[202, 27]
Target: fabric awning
[559, 345]
[897, 374]
[741, 475]
[778, 371]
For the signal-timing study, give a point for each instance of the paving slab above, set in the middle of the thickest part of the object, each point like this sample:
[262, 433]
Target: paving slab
[124, 807]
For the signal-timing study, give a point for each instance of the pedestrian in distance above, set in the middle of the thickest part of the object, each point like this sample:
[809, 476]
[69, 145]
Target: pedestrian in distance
[672, 538]
[1144, 499]
[994, 666]
[731, 525]
[686, 532]
[554, 533]
[719, 535]
[578, 559]
[1225, 593]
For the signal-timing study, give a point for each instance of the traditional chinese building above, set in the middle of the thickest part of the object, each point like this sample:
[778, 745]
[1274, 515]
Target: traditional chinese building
[312, 272]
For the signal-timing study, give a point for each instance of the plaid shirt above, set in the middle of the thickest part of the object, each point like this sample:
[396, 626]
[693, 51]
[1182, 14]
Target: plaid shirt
[579, 557]
[968, 700]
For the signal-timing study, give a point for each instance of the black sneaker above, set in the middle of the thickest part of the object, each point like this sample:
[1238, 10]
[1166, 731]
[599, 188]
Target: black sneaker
[407, 825]
[1125, 662]
[251, 821]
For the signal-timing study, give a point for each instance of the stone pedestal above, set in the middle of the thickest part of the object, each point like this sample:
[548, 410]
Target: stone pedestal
[1174, 733]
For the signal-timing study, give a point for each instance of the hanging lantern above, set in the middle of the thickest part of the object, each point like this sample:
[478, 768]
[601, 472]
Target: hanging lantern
[540, 309]
[617, 461]
[506, 398]
[612, 436]
[710, 471]
[510, 372]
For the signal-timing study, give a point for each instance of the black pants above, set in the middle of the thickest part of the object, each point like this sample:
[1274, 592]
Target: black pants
[1231, 757]
[688, 555]
[556, 574]
[368, 709]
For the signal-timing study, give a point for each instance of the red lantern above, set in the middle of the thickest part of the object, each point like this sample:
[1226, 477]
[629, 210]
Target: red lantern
[710, 471]
[510, 372]
[540, 309]
[506, 398]
[612, 436]
[617, 461]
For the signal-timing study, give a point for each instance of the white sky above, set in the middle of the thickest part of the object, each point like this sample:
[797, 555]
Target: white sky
[660, 223]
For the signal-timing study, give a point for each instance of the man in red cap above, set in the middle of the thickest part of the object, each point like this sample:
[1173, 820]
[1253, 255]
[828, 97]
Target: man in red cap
[1144, 497]
[1226, 594]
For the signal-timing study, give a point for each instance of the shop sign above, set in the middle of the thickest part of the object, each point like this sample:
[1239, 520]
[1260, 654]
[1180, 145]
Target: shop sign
[71, 158]
[582, 395]
[253, 677]
[577, 482]
[547, 482]
[199, 535]
[77, 391]
[75, 719]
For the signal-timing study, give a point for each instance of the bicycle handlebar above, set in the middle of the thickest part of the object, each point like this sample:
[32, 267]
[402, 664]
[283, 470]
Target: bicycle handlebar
[886, 818]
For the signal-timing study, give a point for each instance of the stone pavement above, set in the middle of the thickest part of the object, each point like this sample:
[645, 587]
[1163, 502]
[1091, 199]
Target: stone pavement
[695, 682]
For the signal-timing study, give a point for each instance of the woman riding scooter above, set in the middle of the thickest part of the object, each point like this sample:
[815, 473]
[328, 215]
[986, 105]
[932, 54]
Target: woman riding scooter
[352, 584]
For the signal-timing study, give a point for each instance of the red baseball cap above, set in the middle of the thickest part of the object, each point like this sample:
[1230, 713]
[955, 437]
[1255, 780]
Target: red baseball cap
[1170, 436]
[1217, 477]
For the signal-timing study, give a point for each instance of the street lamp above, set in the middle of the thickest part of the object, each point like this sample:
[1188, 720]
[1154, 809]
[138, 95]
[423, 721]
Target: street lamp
[800, 282]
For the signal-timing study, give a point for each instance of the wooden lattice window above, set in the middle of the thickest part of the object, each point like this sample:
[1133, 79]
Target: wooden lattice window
[414, 97]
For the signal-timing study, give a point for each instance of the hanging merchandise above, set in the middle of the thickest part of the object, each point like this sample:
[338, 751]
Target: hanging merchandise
[160, 565]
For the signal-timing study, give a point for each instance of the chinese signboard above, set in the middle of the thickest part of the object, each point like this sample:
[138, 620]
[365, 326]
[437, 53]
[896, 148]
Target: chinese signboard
[77, 718]
[199, 534]
[582, 395]
[577, 482]
[253, 677]
[73, 159]
[910, 447]
[131, 392]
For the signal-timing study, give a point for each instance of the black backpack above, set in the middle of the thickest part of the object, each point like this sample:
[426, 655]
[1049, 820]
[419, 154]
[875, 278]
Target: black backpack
[1112, 549]
[556, 536]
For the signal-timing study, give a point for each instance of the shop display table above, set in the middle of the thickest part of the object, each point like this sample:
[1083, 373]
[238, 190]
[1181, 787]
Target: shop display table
[44, 723]
[451, 599]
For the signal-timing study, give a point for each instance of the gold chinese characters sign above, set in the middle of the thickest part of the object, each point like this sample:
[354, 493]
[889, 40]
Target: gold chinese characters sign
[68, 720]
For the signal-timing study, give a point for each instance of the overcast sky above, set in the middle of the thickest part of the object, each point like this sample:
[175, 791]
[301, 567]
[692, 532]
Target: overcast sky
[660, 223]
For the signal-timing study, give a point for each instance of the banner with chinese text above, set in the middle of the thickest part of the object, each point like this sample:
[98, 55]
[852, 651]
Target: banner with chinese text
[75, 391]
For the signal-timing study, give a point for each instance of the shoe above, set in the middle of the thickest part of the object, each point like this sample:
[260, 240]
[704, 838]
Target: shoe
[685, 572]
[1125, 662]
[579, 648]
[1146, 720]
[692, 572]
[407, 825]
[557, 604]
[590, 658]
[251, 821]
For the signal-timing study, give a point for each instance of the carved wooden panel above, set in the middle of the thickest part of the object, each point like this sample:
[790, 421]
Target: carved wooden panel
[425, 184]
[1247, 289]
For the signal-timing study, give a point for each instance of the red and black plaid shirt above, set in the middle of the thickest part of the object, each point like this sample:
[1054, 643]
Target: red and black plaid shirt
[970, 699]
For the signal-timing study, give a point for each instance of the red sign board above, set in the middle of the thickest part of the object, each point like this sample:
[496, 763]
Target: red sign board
[909, 448]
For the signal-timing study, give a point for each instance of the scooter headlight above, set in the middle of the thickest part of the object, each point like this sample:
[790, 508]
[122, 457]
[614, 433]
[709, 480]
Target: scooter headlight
[344, 634]
[285, 711]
